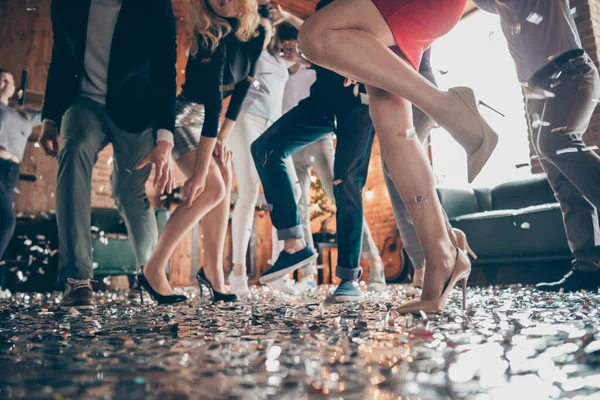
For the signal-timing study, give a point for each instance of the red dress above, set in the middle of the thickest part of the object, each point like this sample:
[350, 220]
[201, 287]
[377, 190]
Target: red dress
[415, 24]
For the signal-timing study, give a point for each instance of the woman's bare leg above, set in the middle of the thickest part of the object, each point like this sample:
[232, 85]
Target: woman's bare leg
[352, 38]
[412, 175]
[214, 228]
[182, 220]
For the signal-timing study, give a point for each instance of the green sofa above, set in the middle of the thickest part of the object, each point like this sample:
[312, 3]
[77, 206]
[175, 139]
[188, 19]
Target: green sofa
[111, 250]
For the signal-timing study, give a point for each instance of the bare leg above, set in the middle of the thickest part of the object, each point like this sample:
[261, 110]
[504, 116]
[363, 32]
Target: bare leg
[414, 179]
[214, 227]
[352, 38]
[182, 220]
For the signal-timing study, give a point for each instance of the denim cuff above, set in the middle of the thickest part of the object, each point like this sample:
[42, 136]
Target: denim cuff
[348, 274]
[295, 232]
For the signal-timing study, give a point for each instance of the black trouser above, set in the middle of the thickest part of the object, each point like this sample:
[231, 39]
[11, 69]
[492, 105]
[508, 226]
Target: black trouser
[9, 179]
[300, 127]
[557, 125]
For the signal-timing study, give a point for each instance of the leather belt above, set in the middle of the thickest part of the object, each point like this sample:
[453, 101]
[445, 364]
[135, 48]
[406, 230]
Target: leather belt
[554, 66]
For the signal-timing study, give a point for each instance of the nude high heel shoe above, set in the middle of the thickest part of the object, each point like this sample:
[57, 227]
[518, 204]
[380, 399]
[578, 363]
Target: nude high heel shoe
[477, 159]
[462, 242]
[462, 269]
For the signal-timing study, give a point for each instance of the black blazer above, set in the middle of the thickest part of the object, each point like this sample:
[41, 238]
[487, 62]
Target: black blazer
[141, 81]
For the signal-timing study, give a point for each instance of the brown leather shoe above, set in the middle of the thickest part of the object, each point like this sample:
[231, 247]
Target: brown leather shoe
[78, 294]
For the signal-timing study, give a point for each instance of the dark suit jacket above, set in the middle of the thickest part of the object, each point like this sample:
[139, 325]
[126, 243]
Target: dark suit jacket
[141, 82]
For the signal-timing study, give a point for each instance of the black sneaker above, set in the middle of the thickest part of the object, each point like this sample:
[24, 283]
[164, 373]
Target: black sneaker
[573, 281]
[287, 263]
[78, 294]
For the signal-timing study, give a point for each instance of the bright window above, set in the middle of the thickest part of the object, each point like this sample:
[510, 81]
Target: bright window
[475, 54]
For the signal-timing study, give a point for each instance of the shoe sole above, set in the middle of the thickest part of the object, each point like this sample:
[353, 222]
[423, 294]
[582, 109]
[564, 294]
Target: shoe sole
[265, 279]
[80, 307]
[377, 288]
[346, 299]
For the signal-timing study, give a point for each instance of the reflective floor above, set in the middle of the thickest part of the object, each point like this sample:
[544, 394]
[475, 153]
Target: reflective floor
[512, 343]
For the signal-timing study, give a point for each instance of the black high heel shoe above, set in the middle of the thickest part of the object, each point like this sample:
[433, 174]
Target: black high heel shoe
[159, 298]
[216, 296]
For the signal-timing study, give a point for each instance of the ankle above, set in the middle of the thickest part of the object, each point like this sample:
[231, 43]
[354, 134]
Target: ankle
[293, 245]
[239, 269]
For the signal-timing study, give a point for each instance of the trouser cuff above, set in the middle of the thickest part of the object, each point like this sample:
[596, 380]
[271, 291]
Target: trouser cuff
[295, 232]
[310, 269]
[348, 274]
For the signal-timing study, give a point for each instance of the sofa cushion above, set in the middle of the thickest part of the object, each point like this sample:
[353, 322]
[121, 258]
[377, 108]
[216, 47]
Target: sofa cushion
[541, 230]
[457, 201]
[490, 233]
[520, 194]
[534, 231]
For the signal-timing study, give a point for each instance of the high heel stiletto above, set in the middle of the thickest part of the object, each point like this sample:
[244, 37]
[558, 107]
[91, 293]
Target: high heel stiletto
[461, 272]
[159, 298]
[216, 296]
[462, 242]
[477, 159]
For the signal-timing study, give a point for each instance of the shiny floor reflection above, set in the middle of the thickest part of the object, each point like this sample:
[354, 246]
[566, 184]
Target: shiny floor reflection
[512, 343]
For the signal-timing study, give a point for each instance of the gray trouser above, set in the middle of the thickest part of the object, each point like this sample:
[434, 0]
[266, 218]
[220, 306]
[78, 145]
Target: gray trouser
[320, 155]
[572, 168]
[86, 129]
[410, 240]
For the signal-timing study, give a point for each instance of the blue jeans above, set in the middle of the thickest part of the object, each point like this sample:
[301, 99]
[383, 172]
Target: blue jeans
[301, 126]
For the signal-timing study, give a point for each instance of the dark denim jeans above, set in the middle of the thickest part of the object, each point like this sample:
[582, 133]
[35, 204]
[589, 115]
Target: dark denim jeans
[297, 129]
[9, 179]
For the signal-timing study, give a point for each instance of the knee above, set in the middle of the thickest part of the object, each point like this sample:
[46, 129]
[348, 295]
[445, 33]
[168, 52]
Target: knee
[348, 193]
[123, 193]
[314, 40]
[257, 149]
[216, 189]
[387, 112]
[548, 145]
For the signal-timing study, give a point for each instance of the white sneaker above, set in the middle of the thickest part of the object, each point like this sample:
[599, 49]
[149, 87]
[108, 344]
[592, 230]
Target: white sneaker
[376, 278]
[239, 284]
[306, 284]
[285, 285]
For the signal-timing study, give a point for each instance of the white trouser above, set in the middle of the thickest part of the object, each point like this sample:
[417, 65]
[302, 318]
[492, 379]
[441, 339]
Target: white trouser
[245, 131]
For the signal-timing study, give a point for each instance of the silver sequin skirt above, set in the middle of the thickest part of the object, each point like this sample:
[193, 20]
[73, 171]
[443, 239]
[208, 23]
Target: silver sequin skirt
[189, 119]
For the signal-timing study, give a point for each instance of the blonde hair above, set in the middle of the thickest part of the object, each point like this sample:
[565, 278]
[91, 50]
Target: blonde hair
[212, 28]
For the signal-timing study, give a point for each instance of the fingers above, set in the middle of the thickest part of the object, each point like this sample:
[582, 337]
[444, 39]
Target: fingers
[158, 175]
[164, 180]
[171, 181]
[55, 147]
[47, 149]
[145, 161]
[192, 196]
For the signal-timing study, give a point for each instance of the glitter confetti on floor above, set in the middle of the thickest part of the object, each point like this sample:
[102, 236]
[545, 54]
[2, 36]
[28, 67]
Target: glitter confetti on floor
[512, 343]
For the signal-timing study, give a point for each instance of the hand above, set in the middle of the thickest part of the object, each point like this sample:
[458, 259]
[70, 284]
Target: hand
[290, 51]
[194, 186]
[164, 175]
[280, 15]
[49, 136]
[222, 153]
[349, 82]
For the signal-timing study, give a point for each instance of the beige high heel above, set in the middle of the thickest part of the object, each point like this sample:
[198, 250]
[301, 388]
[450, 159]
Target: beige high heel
[462, 242]
[477, 159]
[461, 272]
